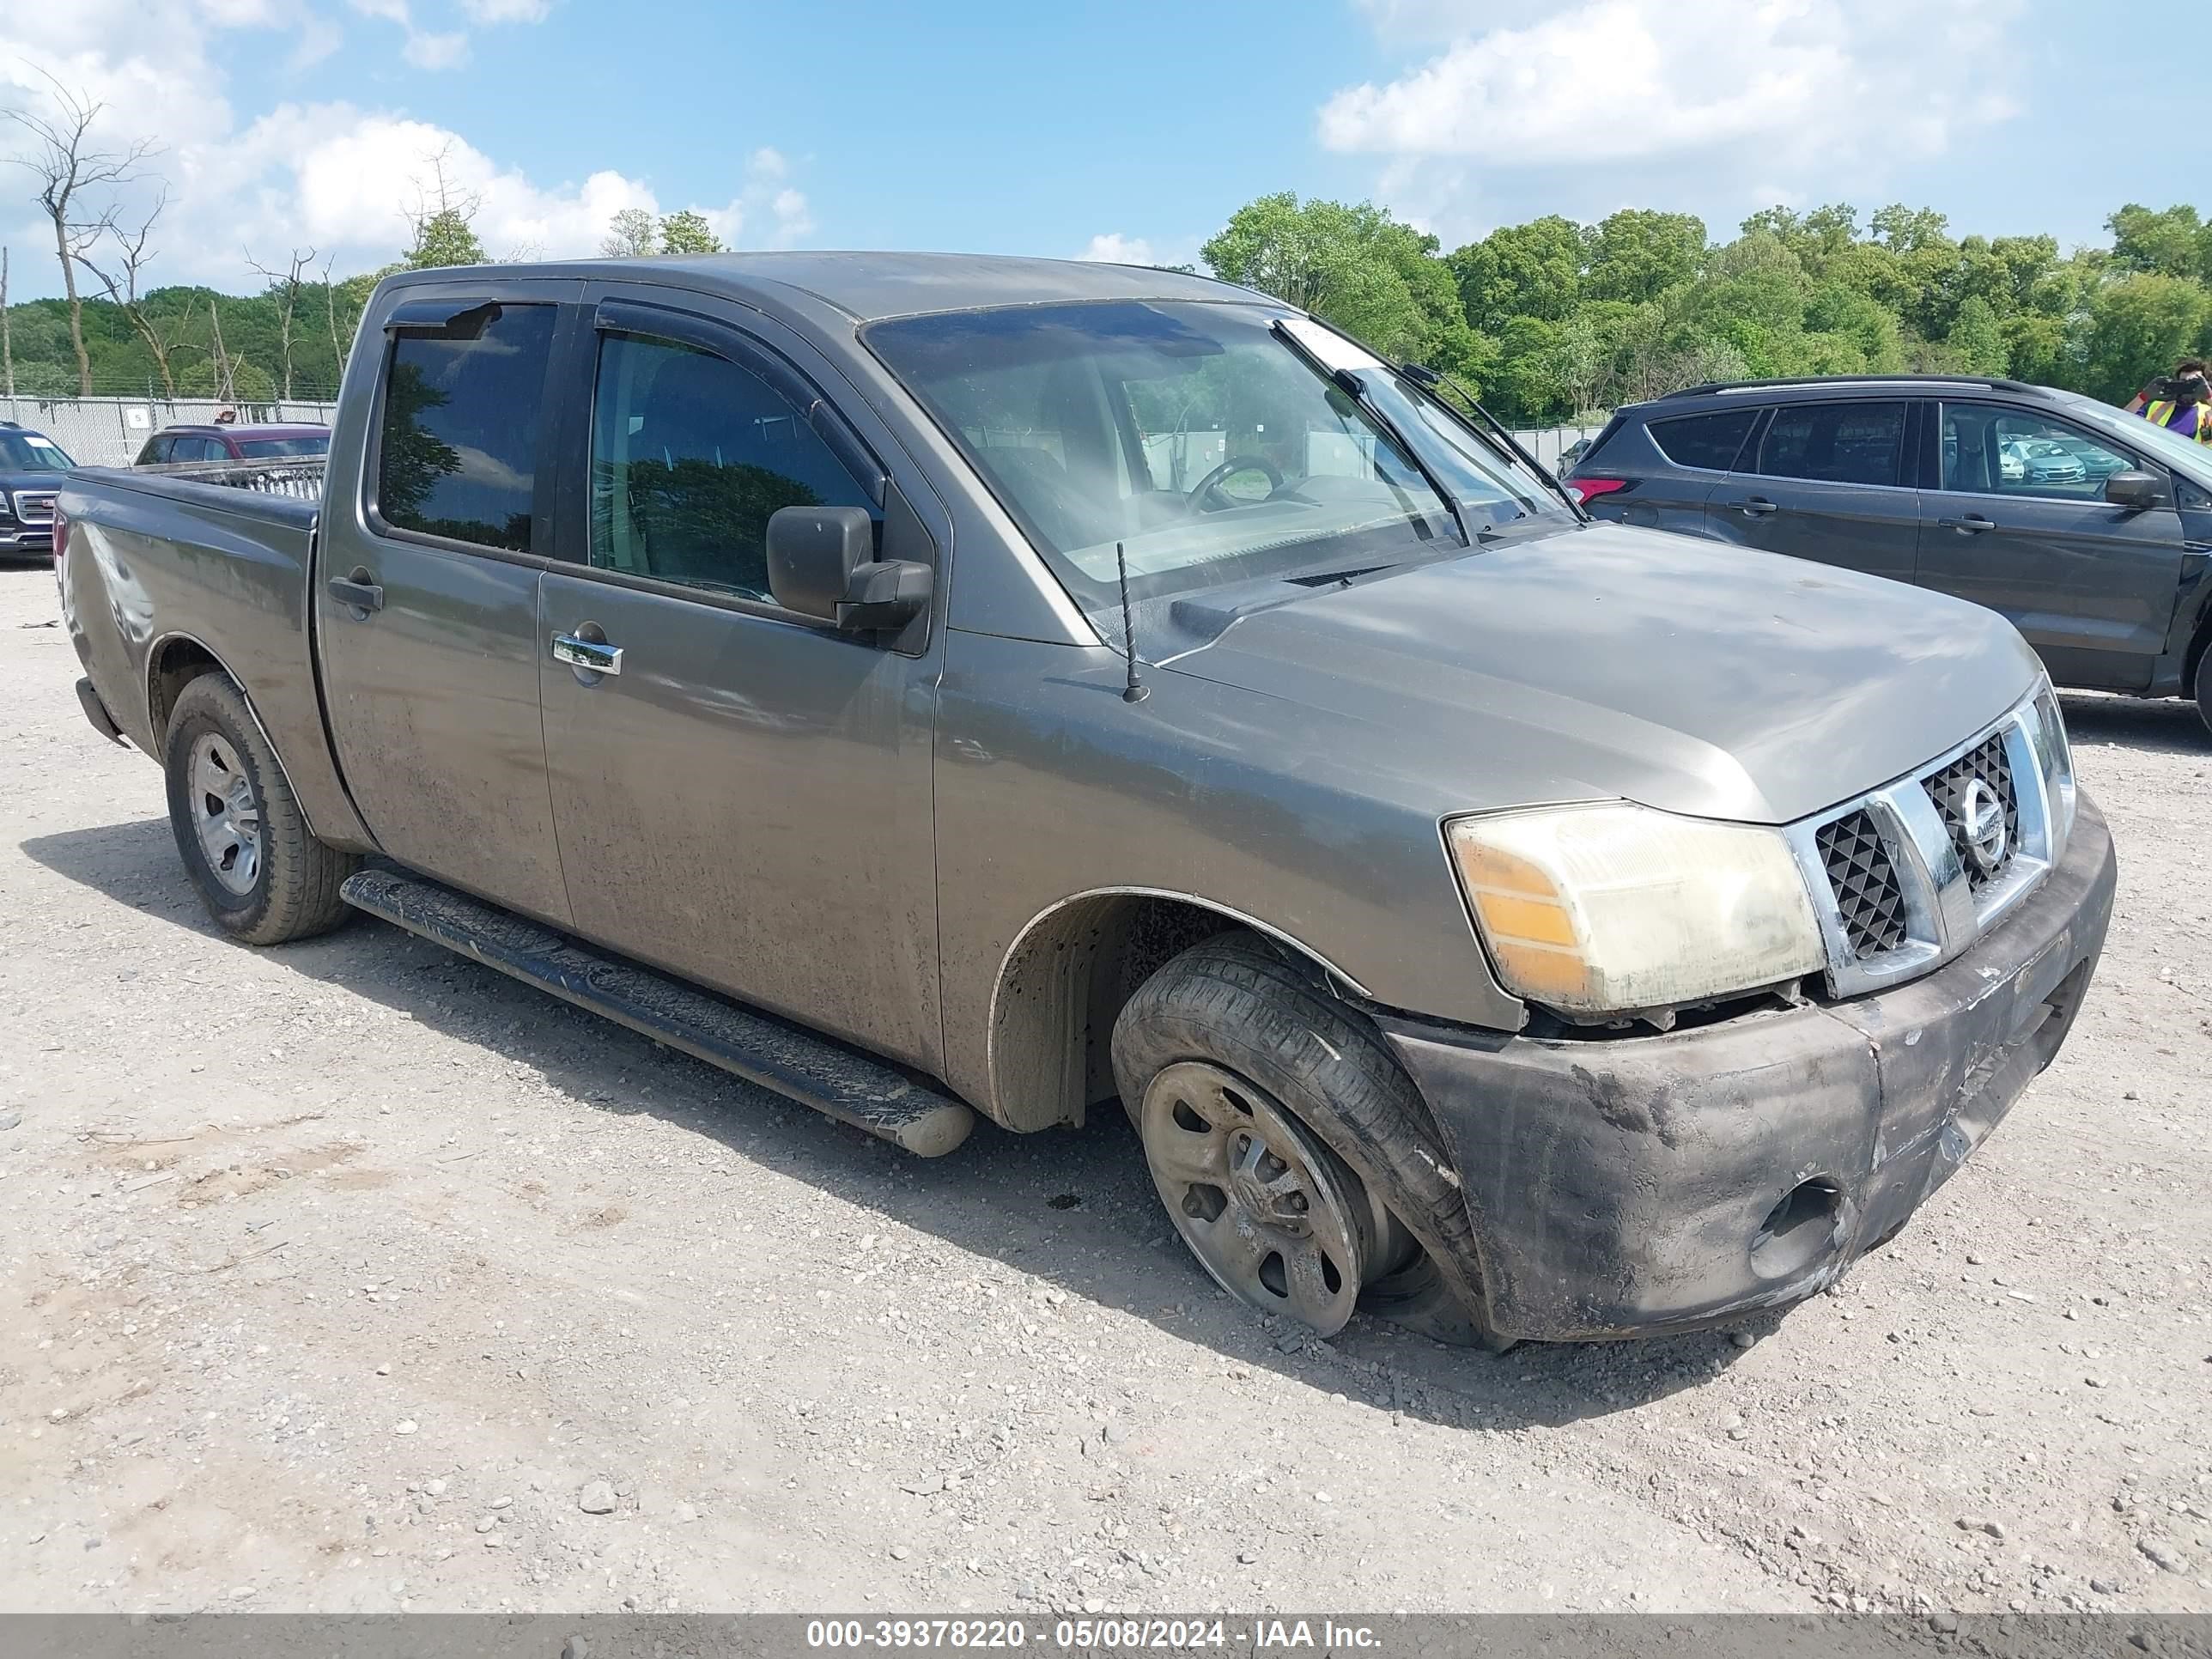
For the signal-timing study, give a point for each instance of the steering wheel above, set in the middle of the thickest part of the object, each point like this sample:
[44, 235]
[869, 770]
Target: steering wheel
[1230, 469]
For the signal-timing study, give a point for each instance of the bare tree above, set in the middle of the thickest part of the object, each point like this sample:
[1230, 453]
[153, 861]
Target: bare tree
[73, 176]
[133, 255]
[226, 372]
[287, 283]
[331, 306]
[6, 334]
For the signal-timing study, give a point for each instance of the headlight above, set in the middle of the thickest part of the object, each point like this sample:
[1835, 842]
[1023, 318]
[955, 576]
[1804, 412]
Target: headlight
[2047, 733]
[1611, 908]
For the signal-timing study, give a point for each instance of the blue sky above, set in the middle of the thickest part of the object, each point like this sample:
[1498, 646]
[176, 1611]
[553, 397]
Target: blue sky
[1055, 129]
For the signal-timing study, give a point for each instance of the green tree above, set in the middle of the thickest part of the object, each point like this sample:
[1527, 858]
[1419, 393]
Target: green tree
[1635, 255]
[1533, 270]
[445, 237]
[2172, 243]
[2138, 325]
[1369, 273]
[1978, 339]
[686, 231]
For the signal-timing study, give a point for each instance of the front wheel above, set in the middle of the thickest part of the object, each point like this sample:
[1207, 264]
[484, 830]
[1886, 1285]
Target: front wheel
[1255, 1093]
[2204, 688]
[245, 843]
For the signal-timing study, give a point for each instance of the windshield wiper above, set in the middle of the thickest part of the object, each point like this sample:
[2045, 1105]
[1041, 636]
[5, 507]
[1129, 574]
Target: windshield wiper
[1348, 382]
[1422, 375]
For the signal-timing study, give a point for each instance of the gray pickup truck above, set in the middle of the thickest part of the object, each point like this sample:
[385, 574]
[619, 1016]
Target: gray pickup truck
[933, 686]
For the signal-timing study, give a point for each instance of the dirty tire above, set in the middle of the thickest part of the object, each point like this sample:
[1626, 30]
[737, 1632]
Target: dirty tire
[294, 893]
[1239, 1003]
[2204, 688]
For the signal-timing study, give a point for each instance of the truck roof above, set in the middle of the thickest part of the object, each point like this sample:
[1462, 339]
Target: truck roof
[869, 286]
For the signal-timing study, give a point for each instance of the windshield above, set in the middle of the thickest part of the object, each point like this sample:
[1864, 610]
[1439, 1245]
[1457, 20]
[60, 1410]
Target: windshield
[29, 451]
[258, 449]
[1189, 433]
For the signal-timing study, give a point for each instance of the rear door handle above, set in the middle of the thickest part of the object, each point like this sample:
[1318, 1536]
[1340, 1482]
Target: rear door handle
[1754, 506]
[593, 656]
[1972, 524]
[359, 591]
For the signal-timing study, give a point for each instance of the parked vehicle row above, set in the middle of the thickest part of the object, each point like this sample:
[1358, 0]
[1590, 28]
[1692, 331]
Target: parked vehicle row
[2090, 530]
[1508, 922]
[217, 440]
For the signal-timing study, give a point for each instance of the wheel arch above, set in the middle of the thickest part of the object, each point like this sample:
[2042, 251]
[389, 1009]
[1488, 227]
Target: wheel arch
[173, 662]
[1066, 977]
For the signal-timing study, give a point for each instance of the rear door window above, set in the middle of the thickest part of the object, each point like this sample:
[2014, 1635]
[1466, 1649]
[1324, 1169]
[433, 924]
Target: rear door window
[1857, 443]
[1706, 440]
[457, 452]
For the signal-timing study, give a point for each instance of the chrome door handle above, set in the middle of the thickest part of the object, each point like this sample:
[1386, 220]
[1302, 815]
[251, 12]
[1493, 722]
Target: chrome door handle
[593, 656]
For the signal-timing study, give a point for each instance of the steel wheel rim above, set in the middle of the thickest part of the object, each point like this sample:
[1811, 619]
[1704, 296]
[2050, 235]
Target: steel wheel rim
[1265, 1207]
[226, 812]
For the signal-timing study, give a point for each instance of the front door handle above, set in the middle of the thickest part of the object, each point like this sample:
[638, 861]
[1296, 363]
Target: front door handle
[592, 656]
[359, 591]
[1972, 524]
[1754, 506]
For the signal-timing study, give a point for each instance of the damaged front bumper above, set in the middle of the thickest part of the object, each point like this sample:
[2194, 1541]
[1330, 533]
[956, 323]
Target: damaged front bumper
[1631, 1186]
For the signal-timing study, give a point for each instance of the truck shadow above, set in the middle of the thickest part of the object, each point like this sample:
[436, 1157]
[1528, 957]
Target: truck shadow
[2168, 726]
[1075, 1210]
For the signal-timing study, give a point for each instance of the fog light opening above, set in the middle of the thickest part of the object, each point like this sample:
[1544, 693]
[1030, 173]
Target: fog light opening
[1799, 1230]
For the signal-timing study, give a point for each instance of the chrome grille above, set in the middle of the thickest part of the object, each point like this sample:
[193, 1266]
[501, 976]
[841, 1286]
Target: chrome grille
[1948, 790]
[1907, 877]
[35, 506]
[1869, 900]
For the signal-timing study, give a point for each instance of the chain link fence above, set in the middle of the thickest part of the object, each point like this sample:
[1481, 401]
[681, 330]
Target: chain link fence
[111, 431]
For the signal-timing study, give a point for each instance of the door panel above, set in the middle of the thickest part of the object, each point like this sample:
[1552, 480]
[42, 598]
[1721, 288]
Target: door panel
[1823, 484]
[427, 610]
[2021, 525]
[434, 713]
[747, 802]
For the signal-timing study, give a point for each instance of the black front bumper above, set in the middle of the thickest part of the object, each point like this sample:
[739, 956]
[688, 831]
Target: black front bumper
[26, 541]
[1625, 1187]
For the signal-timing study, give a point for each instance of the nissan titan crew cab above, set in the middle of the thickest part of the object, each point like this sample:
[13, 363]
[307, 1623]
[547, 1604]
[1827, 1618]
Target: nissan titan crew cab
[933, 686]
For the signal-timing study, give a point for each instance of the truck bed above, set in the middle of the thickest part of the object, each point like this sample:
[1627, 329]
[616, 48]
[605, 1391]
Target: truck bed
[212, 558]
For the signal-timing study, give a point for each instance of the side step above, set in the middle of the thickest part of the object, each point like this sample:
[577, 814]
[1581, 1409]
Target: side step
[848, 1085]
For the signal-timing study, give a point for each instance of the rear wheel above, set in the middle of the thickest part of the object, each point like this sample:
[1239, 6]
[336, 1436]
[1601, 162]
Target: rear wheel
[245, 843]
[1273, 1122]
[2204, 688]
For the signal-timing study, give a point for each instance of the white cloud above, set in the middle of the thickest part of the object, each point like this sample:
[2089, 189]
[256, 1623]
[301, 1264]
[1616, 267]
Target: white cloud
[506, 11]
[436, 52]
[337, 177]
[1112, 247]
[1770, 87]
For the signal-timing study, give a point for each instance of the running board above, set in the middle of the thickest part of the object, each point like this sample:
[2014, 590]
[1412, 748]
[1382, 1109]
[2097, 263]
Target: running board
[835, 1080]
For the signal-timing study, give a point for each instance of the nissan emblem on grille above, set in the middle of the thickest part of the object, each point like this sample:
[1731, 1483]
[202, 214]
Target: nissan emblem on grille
[1979, 816]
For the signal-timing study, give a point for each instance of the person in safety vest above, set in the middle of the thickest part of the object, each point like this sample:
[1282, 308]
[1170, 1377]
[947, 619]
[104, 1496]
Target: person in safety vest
[2187, 366]
[2183, 405]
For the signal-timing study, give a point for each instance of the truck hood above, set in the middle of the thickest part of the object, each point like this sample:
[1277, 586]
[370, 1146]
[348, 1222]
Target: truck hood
[1613, 661]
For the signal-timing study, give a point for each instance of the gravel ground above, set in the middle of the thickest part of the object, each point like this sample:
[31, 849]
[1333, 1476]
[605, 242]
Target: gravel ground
[353, 1277]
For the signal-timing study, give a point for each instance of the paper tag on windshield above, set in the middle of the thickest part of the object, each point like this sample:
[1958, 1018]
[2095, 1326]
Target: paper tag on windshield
[1331, 348]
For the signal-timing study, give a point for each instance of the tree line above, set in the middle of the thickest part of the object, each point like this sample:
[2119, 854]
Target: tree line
[1552, 319]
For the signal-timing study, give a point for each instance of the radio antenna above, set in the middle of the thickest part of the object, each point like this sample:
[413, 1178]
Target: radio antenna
[1133, 692]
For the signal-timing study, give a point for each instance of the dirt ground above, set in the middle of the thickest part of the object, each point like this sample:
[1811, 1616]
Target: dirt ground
[353, 1277]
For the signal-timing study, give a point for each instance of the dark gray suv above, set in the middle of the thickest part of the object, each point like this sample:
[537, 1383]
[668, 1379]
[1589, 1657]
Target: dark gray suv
[2087, 527]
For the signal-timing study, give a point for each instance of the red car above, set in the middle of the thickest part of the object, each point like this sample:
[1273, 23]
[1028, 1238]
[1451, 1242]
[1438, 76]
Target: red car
[214, 442]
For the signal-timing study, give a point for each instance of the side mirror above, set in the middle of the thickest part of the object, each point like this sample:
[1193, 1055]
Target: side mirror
[2136, 491]
[822, 563]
